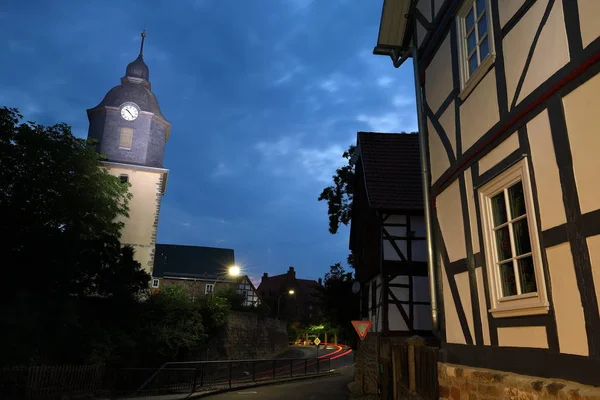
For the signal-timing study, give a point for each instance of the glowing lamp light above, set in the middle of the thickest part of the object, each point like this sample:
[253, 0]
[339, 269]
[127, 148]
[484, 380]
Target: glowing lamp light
[234, 271]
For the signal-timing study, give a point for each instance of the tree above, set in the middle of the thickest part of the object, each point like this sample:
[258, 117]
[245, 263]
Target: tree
[339, 304]
[339, 195]
[62, 214]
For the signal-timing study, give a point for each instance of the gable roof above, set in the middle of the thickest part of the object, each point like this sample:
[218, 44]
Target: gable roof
[392, 170]
[198, 262]
[277, 284]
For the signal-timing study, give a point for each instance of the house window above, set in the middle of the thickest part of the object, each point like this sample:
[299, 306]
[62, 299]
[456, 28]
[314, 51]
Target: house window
[124, 178]
[126, 138]
[513, 254]
[155, 283]
[208, 288]
[476, 45]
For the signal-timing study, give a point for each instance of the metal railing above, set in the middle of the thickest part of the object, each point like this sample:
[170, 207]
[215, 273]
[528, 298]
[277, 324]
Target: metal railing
[202, 376]
[49, 381]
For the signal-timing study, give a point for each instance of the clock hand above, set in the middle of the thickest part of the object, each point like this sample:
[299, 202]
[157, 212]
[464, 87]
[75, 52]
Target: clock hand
[129, 112]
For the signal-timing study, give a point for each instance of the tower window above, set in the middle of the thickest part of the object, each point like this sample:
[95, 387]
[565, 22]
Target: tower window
[124, 178]
[126, 138]
[155, 283]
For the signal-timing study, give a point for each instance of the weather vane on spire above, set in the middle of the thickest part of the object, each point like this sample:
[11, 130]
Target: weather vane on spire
[142, 46]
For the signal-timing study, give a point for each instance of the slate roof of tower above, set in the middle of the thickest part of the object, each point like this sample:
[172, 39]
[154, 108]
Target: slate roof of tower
[198, 262]
[392, 170]
[132, 92]
[138, 69]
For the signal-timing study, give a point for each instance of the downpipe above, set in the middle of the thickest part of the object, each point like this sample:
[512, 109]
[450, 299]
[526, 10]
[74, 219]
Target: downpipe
[423, 146]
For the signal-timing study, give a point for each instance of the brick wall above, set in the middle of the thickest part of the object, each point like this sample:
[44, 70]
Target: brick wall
[459, 382]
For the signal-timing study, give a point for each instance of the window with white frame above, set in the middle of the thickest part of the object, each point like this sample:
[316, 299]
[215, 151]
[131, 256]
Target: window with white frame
[155, 283]
[209, 288]
[476, 45]
[513, 254]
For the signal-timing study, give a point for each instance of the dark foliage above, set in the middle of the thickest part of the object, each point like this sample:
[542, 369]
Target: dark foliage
[339, 305]
[339, 195]
[72, 293]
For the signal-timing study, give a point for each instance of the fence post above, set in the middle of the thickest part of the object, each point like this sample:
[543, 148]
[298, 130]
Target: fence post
[274, 365]
[305, 366]
[291, 368]
[254, 371]
[194, 383]
[318, 365]
[230, 372]
[202, 374]
[412, 342]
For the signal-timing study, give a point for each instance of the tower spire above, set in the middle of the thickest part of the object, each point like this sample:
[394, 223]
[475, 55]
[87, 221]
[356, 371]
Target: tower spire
[142, 46]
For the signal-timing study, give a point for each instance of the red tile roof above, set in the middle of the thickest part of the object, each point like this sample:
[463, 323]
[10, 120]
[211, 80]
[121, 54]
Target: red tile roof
[392, 170]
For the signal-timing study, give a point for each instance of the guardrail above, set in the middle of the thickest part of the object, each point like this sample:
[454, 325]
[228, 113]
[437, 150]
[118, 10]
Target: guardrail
[198, 376]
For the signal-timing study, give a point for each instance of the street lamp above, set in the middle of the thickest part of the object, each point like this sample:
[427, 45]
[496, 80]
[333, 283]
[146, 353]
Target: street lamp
[289, 292]
[232, 271]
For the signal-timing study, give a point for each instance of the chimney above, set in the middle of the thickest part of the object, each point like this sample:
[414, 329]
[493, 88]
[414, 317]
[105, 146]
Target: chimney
[320, 282]
[264, 277]
[292, 273]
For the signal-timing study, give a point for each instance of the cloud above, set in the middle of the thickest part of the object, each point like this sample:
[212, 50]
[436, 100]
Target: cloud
[321, 163]
[399, 116]
[285, 155]
[384, 81]
[337, 81]
[299, 6]
[288, 75]
[221, 170]
[20, 47]
[281, 147]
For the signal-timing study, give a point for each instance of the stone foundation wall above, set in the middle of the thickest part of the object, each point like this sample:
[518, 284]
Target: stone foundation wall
[247, 336]
[365, 361]
[457, 382]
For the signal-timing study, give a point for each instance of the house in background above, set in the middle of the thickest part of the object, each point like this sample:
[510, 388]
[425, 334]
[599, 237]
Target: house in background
[302, 306]
[200, 270]
[507, 95]
[387, 234]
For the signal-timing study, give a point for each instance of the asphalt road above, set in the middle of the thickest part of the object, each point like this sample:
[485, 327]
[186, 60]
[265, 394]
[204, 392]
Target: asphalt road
[329, 388]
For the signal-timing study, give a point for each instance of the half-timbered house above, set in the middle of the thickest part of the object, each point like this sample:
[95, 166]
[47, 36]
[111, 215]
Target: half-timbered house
[387, 234]
[200, 271]
[508, 98]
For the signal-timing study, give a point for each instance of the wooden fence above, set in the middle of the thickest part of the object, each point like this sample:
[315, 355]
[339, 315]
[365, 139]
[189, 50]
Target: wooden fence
[414, 368]
[50, 381]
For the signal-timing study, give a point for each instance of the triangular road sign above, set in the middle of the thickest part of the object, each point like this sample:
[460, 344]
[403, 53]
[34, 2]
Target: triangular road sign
[362, 328]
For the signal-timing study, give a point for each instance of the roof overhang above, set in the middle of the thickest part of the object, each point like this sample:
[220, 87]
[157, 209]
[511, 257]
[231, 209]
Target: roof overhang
[394, 28]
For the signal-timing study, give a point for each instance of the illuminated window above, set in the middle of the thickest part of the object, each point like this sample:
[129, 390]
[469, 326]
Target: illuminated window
[513, 254]
[209, 288]
[126, 138]
[155, 283]
[476, 45]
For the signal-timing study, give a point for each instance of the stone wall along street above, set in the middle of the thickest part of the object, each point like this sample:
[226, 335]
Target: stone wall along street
[459, 382]
[248, 336]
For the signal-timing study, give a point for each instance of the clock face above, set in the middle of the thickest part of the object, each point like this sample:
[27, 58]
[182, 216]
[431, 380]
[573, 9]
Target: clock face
[129, 112]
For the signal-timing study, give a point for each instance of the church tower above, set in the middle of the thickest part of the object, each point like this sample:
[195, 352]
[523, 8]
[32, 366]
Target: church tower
[131, 132]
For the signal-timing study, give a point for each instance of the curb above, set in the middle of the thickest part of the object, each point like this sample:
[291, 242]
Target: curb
[270, 383]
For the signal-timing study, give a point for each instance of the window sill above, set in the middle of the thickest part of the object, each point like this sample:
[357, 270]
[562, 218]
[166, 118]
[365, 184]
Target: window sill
[520, 310]
[477, 76]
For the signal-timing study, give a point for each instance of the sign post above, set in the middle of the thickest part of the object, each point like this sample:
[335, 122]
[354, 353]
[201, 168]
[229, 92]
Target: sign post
[362, 328]
[317, 342]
